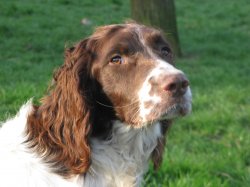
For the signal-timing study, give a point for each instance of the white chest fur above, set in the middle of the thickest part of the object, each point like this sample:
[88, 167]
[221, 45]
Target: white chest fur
[122, 160]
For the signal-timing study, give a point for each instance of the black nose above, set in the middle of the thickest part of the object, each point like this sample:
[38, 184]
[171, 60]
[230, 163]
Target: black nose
[176, 84]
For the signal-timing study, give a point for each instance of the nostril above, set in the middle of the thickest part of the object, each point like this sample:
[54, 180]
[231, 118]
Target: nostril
[171, 87]
[185, 84]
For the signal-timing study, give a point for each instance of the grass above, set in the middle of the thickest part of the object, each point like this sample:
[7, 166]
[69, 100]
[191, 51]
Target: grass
[210, 148]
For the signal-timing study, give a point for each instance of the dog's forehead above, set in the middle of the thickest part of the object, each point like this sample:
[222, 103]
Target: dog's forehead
[138, 33]
[127, 32]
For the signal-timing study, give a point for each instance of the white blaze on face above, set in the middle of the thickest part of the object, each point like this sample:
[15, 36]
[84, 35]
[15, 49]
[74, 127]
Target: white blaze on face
[144, 97]
[162, 68]
[148, 99]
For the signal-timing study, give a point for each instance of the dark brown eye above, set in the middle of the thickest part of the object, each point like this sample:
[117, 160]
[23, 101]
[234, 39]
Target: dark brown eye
[165, 51]
[116, 60]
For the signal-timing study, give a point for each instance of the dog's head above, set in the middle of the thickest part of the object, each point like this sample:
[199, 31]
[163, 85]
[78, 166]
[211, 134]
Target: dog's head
[134, 66]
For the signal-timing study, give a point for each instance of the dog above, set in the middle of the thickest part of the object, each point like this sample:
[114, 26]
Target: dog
[104, 117]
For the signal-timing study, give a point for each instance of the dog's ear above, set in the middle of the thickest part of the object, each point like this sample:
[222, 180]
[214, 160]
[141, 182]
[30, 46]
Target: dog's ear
[157, 155]
[59, 128]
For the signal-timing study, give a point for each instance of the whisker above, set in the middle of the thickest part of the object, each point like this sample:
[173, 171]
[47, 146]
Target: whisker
[109, 106]
[134, 115]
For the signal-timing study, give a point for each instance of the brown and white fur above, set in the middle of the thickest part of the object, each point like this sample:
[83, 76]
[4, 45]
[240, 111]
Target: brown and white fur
[104, 117]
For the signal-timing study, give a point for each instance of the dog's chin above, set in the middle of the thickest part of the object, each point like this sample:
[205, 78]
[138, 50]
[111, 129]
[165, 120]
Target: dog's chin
[175, 111]
[168, 113]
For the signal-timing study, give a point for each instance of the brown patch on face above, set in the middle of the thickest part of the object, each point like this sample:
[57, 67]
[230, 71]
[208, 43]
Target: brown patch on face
[121, 82]
[154, 38]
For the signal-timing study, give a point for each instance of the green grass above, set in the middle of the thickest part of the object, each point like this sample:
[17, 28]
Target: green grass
[210, 148]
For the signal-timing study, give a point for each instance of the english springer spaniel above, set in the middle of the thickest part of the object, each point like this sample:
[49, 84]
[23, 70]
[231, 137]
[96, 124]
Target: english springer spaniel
[104, 117]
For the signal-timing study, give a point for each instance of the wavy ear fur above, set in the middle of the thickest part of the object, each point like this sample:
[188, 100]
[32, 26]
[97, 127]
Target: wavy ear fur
[58, 130]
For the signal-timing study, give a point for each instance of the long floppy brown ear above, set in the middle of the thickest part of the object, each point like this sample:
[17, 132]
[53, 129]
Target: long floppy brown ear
[58, 130]
[157, 155]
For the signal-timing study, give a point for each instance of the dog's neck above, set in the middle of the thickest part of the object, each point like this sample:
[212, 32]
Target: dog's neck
[122, 159]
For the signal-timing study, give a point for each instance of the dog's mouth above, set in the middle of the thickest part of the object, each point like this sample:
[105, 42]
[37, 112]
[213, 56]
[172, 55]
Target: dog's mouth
[168, 112]
[176, 110]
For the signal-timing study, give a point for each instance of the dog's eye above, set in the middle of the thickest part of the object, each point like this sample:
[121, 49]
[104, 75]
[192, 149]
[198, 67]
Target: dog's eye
[165, 51]
[116, 60]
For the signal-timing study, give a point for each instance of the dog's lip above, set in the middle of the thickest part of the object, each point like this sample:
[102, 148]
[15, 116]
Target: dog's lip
[170, 110]
[175, 111]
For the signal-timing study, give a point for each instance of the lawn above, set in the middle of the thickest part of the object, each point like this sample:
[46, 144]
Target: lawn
[211, 147]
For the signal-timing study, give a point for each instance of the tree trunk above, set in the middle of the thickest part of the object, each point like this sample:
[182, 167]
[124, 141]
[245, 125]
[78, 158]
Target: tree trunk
[159, 14]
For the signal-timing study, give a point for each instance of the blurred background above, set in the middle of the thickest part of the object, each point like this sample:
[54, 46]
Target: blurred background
[211, 147]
